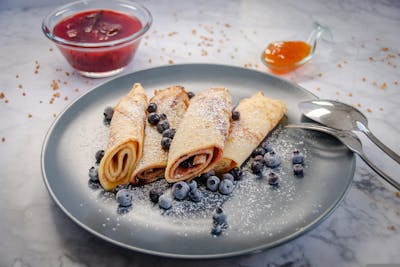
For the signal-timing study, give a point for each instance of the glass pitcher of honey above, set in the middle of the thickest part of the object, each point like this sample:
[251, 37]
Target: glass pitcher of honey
[284, 56]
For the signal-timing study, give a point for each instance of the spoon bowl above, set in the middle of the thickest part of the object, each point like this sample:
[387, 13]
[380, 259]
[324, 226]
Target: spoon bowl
[341, 116]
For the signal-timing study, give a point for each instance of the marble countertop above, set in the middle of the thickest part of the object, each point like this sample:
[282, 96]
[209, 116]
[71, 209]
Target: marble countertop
[360, 67]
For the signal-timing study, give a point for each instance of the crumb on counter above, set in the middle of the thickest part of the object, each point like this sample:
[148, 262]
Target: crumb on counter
[29, 115]
[172, 33]
[339, 65]
[54, 85]
[364, 79]
[3, 139]
[350, 94]
[2, 95]
[392, 228]
[371, 58]
[380, 109]
[369, 110]
[398, 194]
[20, 86]
[383, 86]
[385, 49]
[374, 84]
[320, 74]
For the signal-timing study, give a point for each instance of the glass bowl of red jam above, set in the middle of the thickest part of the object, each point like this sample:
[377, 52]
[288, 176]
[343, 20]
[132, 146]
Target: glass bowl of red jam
[99, 38]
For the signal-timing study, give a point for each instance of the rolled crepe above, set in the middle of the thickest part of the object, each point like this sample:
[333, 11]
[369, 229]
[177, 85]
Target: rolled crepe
[199, 140]
[125, 141]
[258, 116]
[173, 102]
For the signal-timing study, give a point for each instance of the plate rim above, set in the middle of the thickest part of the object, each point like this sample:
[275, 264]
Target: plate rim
[253, 250]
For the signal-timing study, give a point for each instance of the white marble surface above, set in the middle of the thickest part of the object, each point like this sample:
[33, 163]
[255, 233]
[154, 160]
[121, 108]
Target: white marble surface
[365, 228]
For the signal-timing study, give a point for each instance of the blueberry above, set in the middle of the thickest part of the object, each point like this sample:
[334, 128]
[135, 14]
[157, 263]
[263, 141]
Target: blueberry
[99, 155]
[162, 126]
[259, 158]
[211, 173]
[195, 195]
[257, 167]
[272, 160]
[166, 143]
[180, 190]
[152, 107]
[213, 183]
[228, 176]
[273, 178]
[93, 174]
[298, 169]
[155, 194]
[190, 94]
[170, 133]
[236, 172]
[216, 229]
[235, 115]
[153, 118]
[203, 178]
[258, 151]
[267, 147]
[297, 157]
[192, 185]
[165, 202]
[124, 197]
[219, 217]
[163, 116]
[226, 187]
[108, 113]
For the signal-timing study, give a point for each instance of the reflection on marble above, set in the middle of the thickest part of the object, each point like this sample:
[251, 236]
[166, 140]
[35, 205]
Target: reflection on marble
[361, 67]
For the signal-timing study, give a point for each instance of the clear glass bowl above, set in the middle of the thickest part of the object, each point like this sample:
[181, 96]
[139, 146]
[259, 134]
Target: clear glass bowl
[98, 59]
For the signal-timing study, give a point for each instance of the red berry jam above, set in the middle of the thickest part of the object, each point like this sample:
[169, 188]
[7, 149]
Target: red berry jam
[89, 28]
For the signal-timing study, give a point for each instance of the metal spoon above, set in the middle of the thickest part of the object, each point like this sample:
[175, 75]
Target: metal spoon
[341, 116]
[351, 141]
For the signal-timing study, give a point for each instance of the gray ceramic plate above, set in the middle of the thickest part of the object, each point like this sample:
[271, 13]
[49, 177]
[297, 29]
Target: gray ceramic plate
[259, 216]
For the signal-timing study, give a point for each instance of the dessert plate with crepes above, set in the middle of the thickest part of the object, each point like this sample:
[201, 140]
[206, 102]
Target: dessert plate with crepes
[259, 216]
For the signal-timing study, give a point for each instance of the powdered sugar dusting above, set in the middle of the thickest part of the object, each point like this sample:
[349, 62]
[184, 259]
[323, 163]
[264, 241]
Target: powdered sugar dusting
[252, 197]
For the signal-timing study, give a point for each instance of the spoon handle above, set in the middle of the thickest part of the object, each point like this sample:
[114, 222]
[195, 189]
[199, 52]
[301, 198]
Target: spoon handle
[386, 177]
[381, 145]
